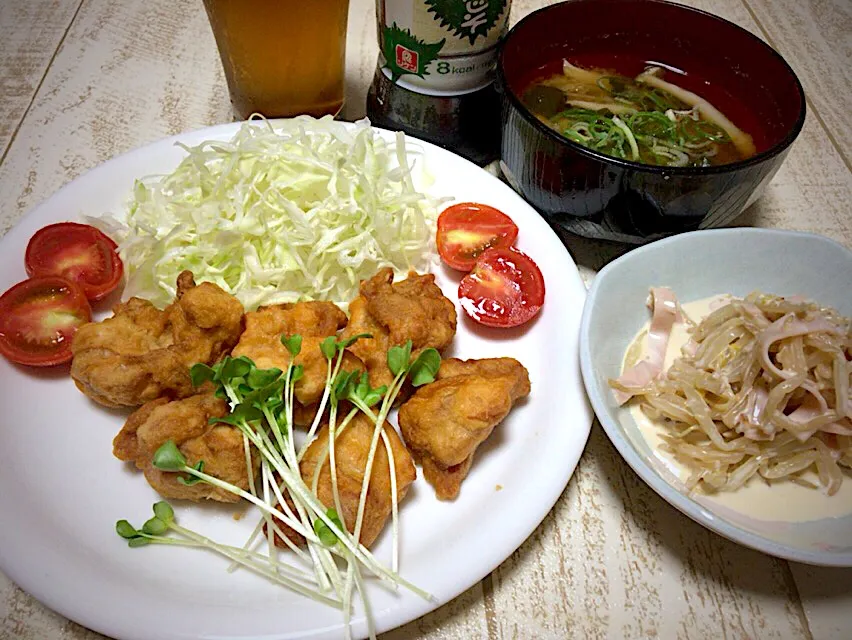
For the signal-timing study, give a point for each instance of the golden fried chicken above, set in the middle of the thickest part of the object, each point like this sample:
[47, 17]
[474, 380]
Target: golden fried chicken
[303, 318]
[371, 351]
[314, 321]
[185, 422]
[310, 388]
[444, 422]
[393, 313]
[351, 449]
[142, 353]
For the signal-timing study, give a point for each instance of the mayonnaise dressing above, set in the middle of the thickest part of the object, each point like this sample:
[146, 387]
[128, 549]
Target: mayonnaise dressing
[787, 502]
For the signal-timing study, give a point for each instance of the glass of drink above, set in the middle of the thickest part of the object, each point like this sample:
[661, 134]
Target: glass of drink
[282, 57]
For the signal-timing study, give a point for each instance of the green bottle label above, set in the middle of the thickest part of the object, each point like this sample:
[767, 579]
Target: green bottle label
[471, 20]
[398, 45]
[440, 47]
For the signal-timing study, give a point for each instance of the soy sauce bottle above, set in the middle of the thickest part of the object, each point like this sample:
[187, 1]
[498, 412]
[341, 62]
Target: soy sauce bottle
[434, 78]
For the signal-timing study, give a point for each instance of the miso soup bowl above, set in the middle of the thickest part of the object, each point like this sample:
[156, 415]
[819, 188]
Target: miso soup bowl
[594, 195]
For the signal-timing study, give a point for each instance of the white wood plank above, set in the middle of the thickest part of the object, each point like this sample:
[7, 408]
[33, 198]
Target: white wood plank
[816, 39]
[30, 33]
[463, 618]
[22, 617]
[827, 600]
[614, 560]
[128, 73]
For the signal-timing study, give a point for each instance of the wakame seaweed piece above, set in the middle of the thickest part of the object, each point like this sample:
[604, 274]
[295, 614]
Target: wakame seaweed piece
[544, 100]
[614, 85]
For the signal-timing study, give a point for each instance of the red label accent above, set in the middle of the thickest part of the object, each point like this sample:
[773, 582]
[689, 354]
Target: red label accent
[406, 59]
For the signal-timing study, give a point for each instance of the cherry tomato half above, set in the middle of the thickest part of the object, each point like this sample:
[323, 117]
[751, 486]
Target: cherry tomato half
[77, 252]
[38, 318]
[504, 289]
[467, 229]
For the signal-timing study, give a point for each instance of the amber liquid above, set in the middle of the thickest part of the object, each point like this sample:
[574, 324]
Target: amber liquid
[282, 57]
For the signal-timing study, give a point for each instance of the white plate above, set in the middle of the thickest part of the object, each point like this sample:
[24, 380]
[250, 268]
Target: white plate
[698, 265]
[62, 490]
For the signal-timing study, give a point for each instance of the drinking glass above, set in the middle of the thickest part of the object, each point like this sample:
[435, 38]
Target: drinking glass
[282, 57]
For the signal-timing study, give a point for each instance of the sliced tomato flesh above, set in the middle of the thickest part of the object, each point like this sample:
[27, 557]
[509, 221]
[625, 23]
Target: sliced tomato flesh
[504, 289]
[77, 252]
[38, 319]
[467, 229]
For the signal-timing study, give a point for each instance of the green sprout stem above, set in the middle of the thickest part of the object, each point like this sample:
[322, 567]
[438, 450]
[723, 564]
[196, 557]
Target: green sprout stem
[320, 411]
[297, 579]
[331, 374]
[368, 610]
[315, 558]
[232, 395]
[234, 555]
[196, 540]
[347, 594]
[394, 505]
[324, 455]
[264, 444]
[297, 487]
[281, 534]
[247, 546]
[249, 467]
[395, 386]
[333, 464]
[216, 482]
[289, 394]
[256, 398]
[270, 532]
[319, 555]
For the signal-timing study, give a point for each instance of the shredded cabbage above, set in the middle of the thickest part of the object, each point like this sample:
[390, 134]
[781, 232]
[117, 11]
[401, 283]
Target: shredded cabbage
[302, 210]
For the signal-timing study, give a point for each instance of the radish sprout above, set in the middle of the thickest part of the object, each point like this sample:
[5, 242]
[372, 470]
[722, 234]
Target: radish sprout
[261, 408]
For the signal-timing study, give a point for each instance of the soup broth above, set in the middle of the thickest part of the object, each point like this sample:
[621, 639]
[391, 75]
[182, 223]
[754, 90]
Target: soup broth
[645, 119]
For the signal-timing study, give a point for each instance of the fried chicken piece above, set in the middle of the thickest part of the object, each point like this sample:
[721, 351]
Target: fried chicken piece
[185, 422]
[412, 309]
[142, 353]
[444, 422]
[310, 388]
[351, 449]
[303, 416]
[314, 321]
[371, 351]
[303, 318]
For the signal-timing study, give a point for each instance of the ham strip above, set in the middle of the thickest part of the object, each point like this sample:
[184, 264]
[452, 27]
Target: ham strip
[666, 312]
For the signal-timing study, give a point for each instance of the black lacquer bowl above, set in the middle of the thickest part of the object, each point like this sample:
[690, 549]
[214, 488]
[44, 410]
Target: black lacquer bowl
[599, 196]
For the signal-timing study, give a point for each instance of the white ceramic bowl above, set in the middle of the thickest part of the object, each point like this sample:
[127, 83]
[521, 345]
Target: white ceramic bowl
[698, 265]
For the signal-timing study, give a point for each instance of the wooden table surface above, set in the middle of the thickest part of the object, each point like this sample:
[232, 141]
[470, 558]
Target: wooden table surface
[85, 80]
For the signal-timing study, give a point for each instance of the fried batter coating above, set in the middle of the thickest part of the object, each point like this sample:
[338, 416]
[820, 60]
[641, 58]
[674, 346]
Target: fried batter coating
[444, 422]
[185, 422]
[142, 353]
[303, 318]
[371, 351]
[314, 321]
[351, 449]
[393, 313]
[310, 388]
